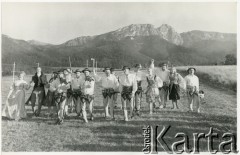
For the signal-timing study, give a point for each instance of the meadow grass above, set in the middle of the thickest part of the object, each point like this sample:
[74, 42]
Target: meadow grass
[41, 134]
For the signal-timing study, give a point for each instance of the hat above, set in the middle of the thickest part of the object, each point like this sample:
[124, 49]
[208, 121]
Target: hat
[191, 68]
[86, 69]
[106, 68]
[138, 66]
[56, 72]
[112, 69]
[77, 70]
[68, 70]
[125, 67]
[61, 70]
[163, 64]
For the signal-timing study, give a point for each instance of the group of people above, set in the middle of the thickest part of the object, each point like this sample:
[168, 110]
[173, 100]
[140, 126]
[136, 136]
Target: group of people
[66, 93]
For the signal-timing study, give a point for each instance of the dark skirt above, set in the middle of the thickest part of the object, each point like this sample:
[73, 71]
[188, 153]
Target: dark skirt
[174, 92]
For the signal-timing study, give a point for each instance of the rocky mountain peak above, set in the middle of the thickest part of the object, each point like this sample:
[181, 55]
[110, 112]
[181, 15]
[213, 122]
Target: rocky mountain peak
[168, 33]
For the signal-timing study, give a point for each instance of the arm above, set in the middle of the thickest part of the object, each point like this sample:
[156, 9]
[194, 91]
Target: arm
[159, 82]
[96, 77]
[181, 82]
[197, 84]
[135, 87]
[116, 83]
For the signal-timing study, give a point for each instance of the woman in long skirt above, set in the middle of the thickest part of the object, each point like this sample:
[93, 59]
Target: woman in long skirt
[176, 82]
[15, 104]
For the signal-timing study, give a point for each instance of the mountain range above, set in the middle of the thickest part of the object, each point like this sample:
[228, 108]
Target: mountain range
[136, 43]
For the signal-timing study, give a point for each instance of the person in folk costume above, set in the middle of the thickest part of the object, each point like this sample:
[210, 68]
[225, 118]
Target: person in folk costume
[176, 84]
[76, 91]
[49, 100]
[38, 94]
[152, 92]
[138, 94]
[15, 104]
[163, 73]
[115, 95]
[192, 89]
[128, 87]
[60, 87]
[68, 77]
[87, 96]
[109, 84]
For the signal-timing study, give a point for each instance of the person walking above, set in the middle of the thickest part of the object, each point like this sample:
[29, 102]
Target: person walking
[87, 94]
[109, 84]
[128, 87]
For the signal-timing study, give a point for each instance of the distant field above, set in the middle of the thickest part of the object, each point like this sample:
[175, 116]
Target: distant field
[221, 76]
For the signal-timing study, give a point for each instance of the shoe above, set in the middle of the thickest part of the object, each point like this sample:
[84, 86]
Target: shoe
[57, 121]
[85, 121]
[60, 122]
[126, 120]
[107, 118]
[161, 106]
[91, 118]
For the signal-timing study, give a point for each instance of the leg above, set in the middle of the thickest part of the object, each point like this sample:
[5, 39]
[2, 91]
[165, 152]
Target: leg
[172, 104]
[33, 101]
[91, 109]
[40, 101]
[176, 104]
[77, 105]
[162, 98]
[66, 106]
[131, 102]
[115, 99]
[196, 101]
[61, 111]
[111, 103]
[190, 101]
[124, 107]
[150, 107]
[83, 107]
[105, 103]
[137, 103]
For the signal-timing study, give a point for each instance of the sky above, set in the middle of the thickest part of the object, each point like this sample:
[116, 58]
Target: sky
[56, 23]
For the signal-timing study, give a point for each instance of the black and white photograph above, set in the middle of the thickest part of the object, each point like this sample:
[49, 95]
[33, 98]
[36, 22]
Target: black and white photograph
[143, 77]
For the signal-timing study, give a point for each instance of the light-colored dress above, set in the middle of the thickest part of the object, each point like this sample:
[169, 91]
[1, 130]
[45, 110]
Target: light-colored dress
[15, 104]
[152, 89]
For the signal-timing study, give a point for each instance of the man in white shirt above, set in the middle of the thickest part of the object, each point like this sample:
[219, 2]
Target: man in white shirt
[192, 85]
[163, 73]
[138, 95]
[128, 87]
[76, 91]
[109, 84]
[87, 94]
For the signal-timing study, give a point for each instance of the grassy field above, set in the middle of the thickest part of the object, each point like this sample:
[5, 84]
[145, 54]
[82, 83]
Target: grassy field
[221, 76]
[40, 133]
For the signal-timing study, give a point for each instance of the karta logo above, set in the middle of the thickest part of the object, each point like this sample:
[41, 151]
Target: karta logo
[156, 139]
